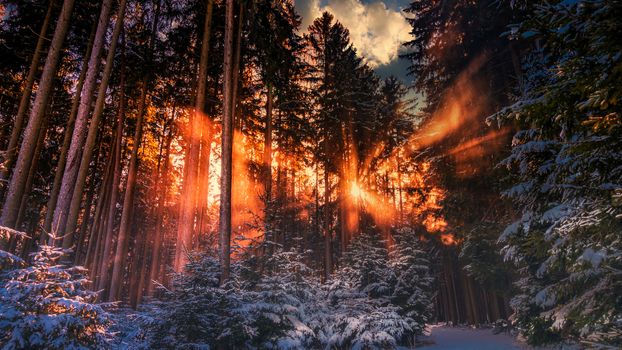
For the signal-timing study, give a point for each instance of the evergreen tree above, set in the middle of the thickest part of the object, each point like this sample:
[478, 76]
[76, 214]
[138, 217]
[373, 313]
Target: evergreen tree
[413, 287]
[567, 160]
[47, 306]
[366, 265]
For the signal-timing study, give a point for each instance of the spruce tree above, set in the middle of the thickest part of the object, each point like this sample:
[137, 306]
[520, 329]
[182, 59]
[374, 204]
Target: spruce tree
[567, 164]
[47, 305]
[413, 291]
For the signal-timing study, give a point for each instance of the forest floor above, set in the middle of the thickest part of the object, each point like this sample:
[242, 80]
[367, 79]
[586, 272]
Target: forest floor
[452, 338]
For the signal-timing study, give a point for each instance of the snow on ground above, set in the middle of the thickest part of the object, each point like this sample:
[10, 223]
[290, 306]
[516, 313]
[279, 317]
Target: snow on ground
[463, 338]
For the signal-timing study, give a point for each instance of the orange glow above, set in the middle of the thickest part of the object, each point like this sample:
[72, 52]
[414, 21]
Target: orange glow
[466, 147]
[459, 109]
[470, 155]
[449, 239]
[246, 208]
[434, 224]
[356, 192]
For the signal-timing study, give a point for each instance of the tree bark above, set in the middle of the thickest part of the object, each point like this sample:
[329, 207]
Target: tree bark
[186, 222]
[86, 217]
[128, 199]
[105, 225]
[267, 151]
[328, 251]
[227, 147]
[87, 153]
[27, 149]
[236, 68]
[128, 202]
[31, 173]
[107, 231]
[157, 241]
[24, 102]
[60, 167]
[98, 221]
[70, 174]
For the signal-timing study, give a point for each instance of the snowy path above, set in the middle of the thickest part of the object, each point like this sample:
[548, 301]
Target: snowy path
[454, 338]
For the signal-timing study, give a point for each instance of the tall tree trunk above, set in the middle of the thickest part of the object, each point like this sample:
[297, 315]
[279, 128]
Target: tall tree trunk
[105, 225]
[27, 149]
[86, 217]
[62, 159]
[79, 133]
[328, 251]
[24, 102]
[107, 232]
[149, 244]
[204, 178]
[28, 189]
[31, 173]
[227, 146]
[186, 222]
[128, 202]
[118, 263]
[236, 69]
[162, 196]
[98, 220]
[139, 262]
[87, 153]
[205, 169]
[267, 154]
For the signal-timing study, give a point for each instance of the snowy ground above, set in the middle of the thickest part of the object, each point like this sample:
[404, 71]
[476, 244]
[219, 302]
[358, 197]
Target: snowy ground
[453, 338]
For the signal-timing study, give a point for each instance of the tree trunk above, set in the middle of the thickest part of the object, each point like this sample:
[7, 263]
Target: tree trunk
[138, 263]
[227, 146]
[98, 255]
[24, 102]
[236, 68]
[157, 241]
[79, 133]
[267, 153]
[189, 199]
[107, 232]
[98, 221]
[204, 178]
[31, 173]
[60, 167]
[128, 202]
[87, 153]
[27, 149]
[85, 222]
[328, 251]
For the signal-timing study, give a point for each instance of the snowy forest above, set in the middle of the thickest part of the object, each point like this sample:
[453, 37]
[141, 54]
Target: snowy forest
[310, 174]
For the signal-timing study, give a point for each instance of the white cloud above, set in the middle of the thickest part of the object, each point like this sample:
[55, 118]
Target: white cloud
[309, 10]
[376, 30]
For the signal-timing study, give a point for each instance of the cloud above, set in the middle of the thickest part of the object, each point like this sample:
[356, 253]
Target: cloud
[376, 30]
[309, 10]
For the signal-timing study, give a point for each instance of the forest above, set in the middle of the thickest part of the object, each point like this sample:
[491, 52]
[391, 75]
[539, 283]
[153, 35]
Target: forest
[310, 174]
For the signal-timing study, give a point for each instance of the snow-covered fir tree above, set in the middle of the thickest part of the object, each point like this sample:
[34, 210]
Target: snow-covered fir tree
[47, 305]
[412, 292]
[273, 301]
[366, 265]
[360, 299]
[568, 164]
[196, 312]
[281, 297]
[353, 320]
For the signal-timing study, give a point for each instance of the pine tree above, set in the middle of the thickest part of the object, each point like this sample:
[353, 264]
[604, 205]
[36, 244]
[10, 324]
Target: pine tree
[366, 265]
[195, 310]
[567, 160]
[48, 305]
[413, 291]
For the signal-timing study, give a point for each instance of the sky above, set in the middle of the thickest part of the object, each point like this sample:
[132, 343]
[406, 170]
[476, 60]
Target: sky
[377, 28]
